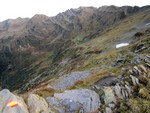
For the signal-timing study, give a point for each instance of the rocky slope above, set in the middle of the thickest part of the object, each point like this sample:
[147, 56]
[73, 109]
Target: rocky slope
[71, 62]
[37, 48]
[129, 94]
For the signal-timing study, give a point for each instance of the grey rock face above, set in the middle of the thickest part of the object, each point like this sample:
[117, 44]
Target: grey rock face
[5, 97]
[128, 89]
[123, 88]
[37, 104]
[134, 80]
[117, 90]
[56, 103]
[68, 80]
[64, 106]
[75, 100]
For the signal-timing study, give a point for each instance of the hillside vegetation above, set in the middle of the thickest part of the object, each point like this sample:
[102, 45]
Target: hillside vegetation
[77, 50]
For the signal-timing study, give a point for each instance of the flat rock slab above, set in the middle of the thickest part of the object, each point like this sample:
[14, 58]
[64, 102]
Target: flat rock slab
[63, 105]
[88, 99]
[68, 80]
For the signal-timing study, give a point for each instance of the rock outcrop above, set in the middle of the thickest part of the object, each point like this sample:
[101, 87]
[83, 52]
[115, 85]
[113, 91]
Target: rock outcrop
[127, 86]
[85, 100]
[10, 103]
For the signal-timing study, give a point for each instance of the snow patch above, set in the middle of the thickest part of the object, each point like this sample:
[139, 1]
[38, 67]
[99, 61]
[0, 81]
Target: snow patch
[148, 24]
[122, 45]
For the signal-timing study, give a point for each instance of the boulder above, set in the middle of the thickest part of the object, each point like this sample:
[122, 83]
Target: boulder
[87, 98]
[10, 103]
[37, 104]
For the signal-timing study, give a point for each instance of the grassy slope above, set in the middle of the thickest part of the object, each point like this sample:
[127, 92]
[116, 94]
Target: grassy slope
[98, 56]
[102, 60]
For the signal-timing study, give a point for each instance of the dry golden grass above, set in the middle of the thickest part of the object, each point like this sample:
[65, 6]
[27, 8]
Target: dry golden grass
[87, 82]
[96, 76]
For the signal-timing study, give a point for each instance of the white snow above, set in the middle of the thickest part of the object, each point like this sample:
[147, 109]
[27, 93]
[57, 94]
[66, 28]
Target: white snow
[148, 24]
[122, 45]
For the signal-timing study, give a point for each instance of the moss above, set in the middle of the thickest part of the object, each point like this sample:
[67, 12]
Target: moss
[123, 107]
[79, 39]
[138, 105]
[143, 80]
[79, 84]
[95, 77]
[46, 92]
[41, 111]
[144, 93]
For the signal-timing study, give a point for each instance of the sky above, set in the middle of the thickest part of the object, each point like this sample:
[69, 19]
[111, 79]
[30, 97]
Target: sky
[11, 9]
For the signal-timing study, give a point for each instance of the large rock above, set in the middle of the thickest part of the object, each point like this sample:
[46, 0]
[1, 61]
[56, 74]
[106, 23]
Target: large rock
[37, 104]
[6, 97]
[75, 100]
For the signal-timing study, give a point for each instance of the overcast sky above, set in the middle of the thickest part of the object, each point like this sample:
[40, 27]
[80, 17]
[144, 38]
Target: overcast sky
[11, 9]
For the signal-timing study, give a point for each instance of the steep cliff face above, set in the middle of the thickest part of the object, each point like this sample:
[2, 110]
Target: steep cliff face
[35, 49]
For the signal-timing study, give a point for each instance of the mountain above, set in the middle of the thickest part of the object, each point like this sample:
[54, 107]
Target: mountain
[77, 49]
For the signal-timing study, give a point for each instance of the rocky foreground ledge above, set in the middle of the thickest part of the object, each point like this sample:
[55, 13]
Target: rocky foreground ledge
[120, 94]
[71, 101]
